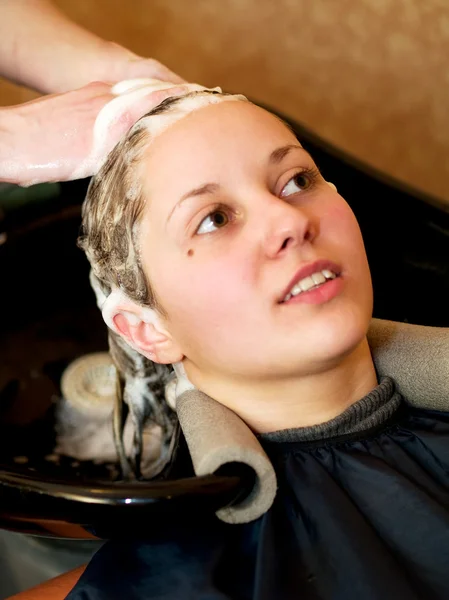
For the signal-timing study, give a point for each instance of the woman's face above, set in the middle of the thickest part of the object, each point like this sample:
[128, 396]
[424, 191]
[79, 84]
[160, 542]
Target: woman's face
[235, 210]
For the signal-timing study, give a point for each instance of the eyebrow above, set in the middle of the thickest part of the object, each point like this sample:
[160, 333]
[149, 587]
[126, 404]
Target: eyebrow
[207, 188]
[280, 153]
[212, 188]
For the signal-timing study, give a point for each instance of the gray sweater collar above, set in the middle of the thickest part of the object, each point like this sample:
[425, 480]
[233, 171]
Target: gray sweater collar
[369, 412]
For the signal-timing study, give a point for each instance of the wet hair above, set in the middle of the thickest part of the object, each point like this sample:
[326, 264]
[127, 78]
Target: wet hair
[111, 214]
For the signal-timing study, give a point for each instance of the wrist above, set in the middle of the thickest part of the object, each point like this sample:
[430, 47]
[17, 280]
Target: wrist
[109, 62]
[13, 164]
[6, 149]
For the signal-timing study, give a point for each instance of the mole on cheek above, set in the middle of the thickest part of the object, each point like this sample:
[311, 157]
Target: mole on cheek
[190, 252]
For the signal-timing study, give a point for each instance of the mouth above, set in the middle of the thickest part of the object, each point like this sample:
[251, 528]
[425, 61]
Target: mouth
[309, 278]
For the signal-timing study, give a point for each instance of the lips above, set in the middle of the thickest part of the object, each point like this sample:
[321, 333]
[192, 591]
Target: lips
[308, 270]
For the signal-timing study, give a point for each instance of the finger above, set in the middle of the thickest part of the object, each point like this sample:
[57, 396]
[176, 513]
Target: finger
[116, 118]
[149, 67]
[95, 87]
[140, 106]
[167, 75]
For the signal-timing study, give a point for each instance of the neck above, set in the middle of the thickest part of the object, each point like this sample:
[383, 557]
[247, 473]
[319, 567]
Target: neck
[297, 401]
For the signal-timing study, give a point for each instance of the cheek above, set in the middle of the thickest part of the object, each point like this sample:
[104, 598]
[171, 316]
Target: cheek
[341, 225]
[200, 289]
[342, 229]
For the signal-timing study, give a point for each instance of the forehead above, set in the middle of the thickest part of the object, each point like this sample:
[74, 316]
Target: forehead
[214, 131]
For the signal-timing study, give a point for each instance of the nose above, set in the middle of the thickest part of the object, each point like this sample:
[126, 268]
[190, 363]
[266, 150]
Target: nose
[287, 226]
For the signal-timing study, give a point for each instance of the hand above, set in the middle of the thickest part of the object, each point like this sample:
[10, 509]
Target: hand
[116, 63]
[52, 138]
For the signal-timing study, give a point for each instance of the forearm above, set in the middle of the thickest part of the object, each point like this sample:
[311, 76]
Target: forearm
[43, 49]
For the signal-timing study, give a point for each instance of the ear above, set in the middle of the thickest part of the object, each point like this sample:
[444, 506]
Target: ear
[332, 185]
[143, 329]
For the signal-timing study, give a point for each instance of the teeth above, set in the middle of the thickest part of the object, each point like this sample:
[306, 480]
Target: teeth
[328, 274]
[318, 278]
[309, 282]
[306, 284]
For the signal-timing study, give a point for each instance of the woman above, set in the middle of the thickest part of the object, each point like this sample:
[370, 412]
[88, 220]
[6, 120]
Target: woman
[225, 251]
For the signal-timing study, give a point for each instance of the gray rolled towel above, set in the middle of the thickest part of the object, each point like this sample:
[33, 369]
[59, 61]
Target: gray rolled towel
[416, 357]
[216, 436]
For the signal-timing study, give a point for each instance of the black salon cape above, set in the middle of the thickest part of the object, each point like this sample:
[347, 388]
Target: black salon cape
[357, 516]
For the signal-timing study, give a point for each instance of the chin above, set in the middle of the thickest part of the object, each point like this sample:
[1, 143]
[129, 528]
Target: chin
[329, 342]
[344, 344]
[347, 333]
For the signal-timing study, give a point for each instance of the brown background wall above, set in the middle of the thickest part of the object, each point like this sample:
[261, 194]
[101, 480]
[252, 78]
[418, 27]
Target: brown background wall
[371, 76]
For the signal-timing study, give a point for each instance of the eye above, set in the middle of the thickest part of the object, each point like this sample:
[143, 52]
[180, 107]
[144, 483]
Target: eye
[298, 183]
[214, 220]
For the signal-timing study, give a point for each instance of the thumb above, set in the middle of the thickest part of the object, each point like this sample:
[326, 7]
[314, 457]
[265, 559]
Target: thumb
[127, 109]
[115, 119]
[149, 67]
